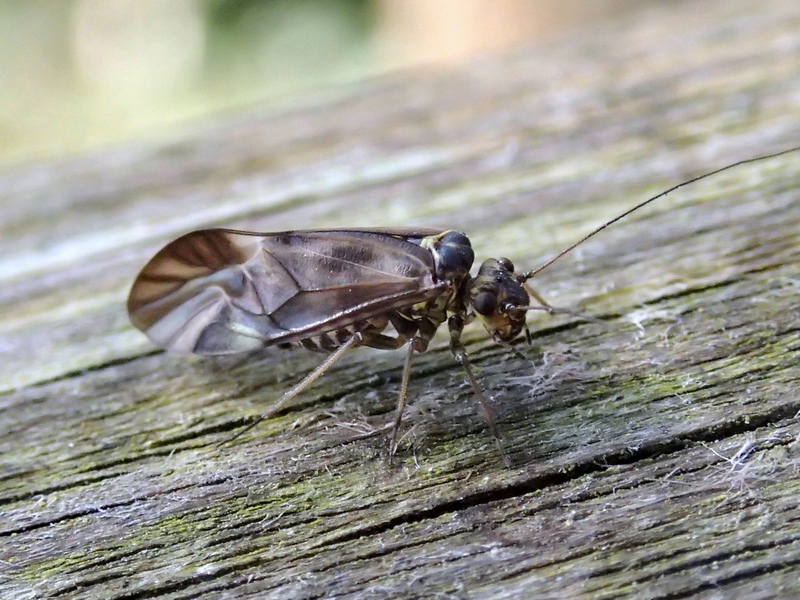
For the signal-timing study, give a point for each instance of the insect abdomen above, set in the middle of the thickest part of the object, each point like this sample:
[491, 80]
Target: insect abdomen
[331, 340]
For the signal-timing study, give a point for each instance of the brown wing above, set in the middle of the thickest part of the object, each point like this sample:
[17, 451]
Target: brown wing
[219, 291]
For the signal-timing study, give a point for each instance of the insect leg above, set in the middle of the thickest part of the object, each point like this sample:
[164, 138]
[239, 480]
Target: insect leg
[401, 400]
[307, 381]
[513, 351]
[456, 325]
[384, 342]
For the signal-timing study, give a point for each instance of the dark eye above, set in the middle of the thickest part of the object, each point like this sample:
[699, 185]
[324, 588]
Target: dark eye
[485, 303]
[506, 264]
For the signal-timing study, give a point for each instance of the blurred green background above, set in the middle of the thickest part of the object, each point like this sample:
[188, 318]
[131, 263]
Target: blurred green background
[80, 74]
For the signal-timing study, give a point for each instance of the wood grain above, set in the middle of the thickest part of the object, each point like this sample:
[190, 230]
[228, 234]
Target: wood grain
[653, 457]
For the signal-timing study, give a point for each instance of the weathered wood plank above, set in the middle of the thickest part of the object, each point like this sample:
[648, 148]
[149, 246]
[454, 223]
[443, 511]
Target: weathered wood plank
[656, 457]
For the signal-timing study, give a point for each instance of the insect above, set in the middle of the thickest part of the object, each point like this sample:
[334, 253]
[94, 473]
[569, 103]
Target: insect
[223, 291]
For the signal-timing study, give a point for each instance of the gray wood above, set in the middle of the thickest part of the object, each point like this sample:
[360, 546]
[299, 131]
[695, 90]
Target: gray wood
[654, 457]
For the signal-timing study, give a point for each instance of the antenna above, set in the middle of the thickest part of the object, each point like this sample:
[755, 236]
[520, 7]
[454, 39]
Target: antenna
[530, 274]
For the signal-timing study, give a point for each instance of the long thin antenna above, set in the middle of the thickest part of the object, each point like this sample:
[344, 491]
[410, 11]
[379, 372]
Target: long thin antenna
[530, 274]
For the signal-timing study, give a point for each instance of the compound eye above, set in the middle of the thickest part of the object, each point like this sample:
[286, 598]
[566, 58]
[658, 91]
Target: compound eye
[485, 303]
[506, 264]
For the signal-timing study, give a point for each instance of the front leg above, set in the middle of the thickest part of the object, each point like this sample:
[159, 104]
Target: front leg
[456, 324]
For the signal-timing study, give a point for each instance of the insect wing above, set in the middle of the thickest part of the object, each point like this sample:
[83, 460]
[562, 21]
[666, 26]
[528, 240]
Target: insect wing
[219, 291]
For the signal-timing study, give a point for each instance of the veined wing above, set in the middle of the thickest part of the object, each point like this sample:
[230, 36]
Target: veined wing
[220, 291]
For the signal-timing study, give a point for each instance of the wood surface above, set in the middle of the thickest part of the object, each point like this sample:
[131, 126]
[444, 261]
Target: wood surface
[655, 455]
